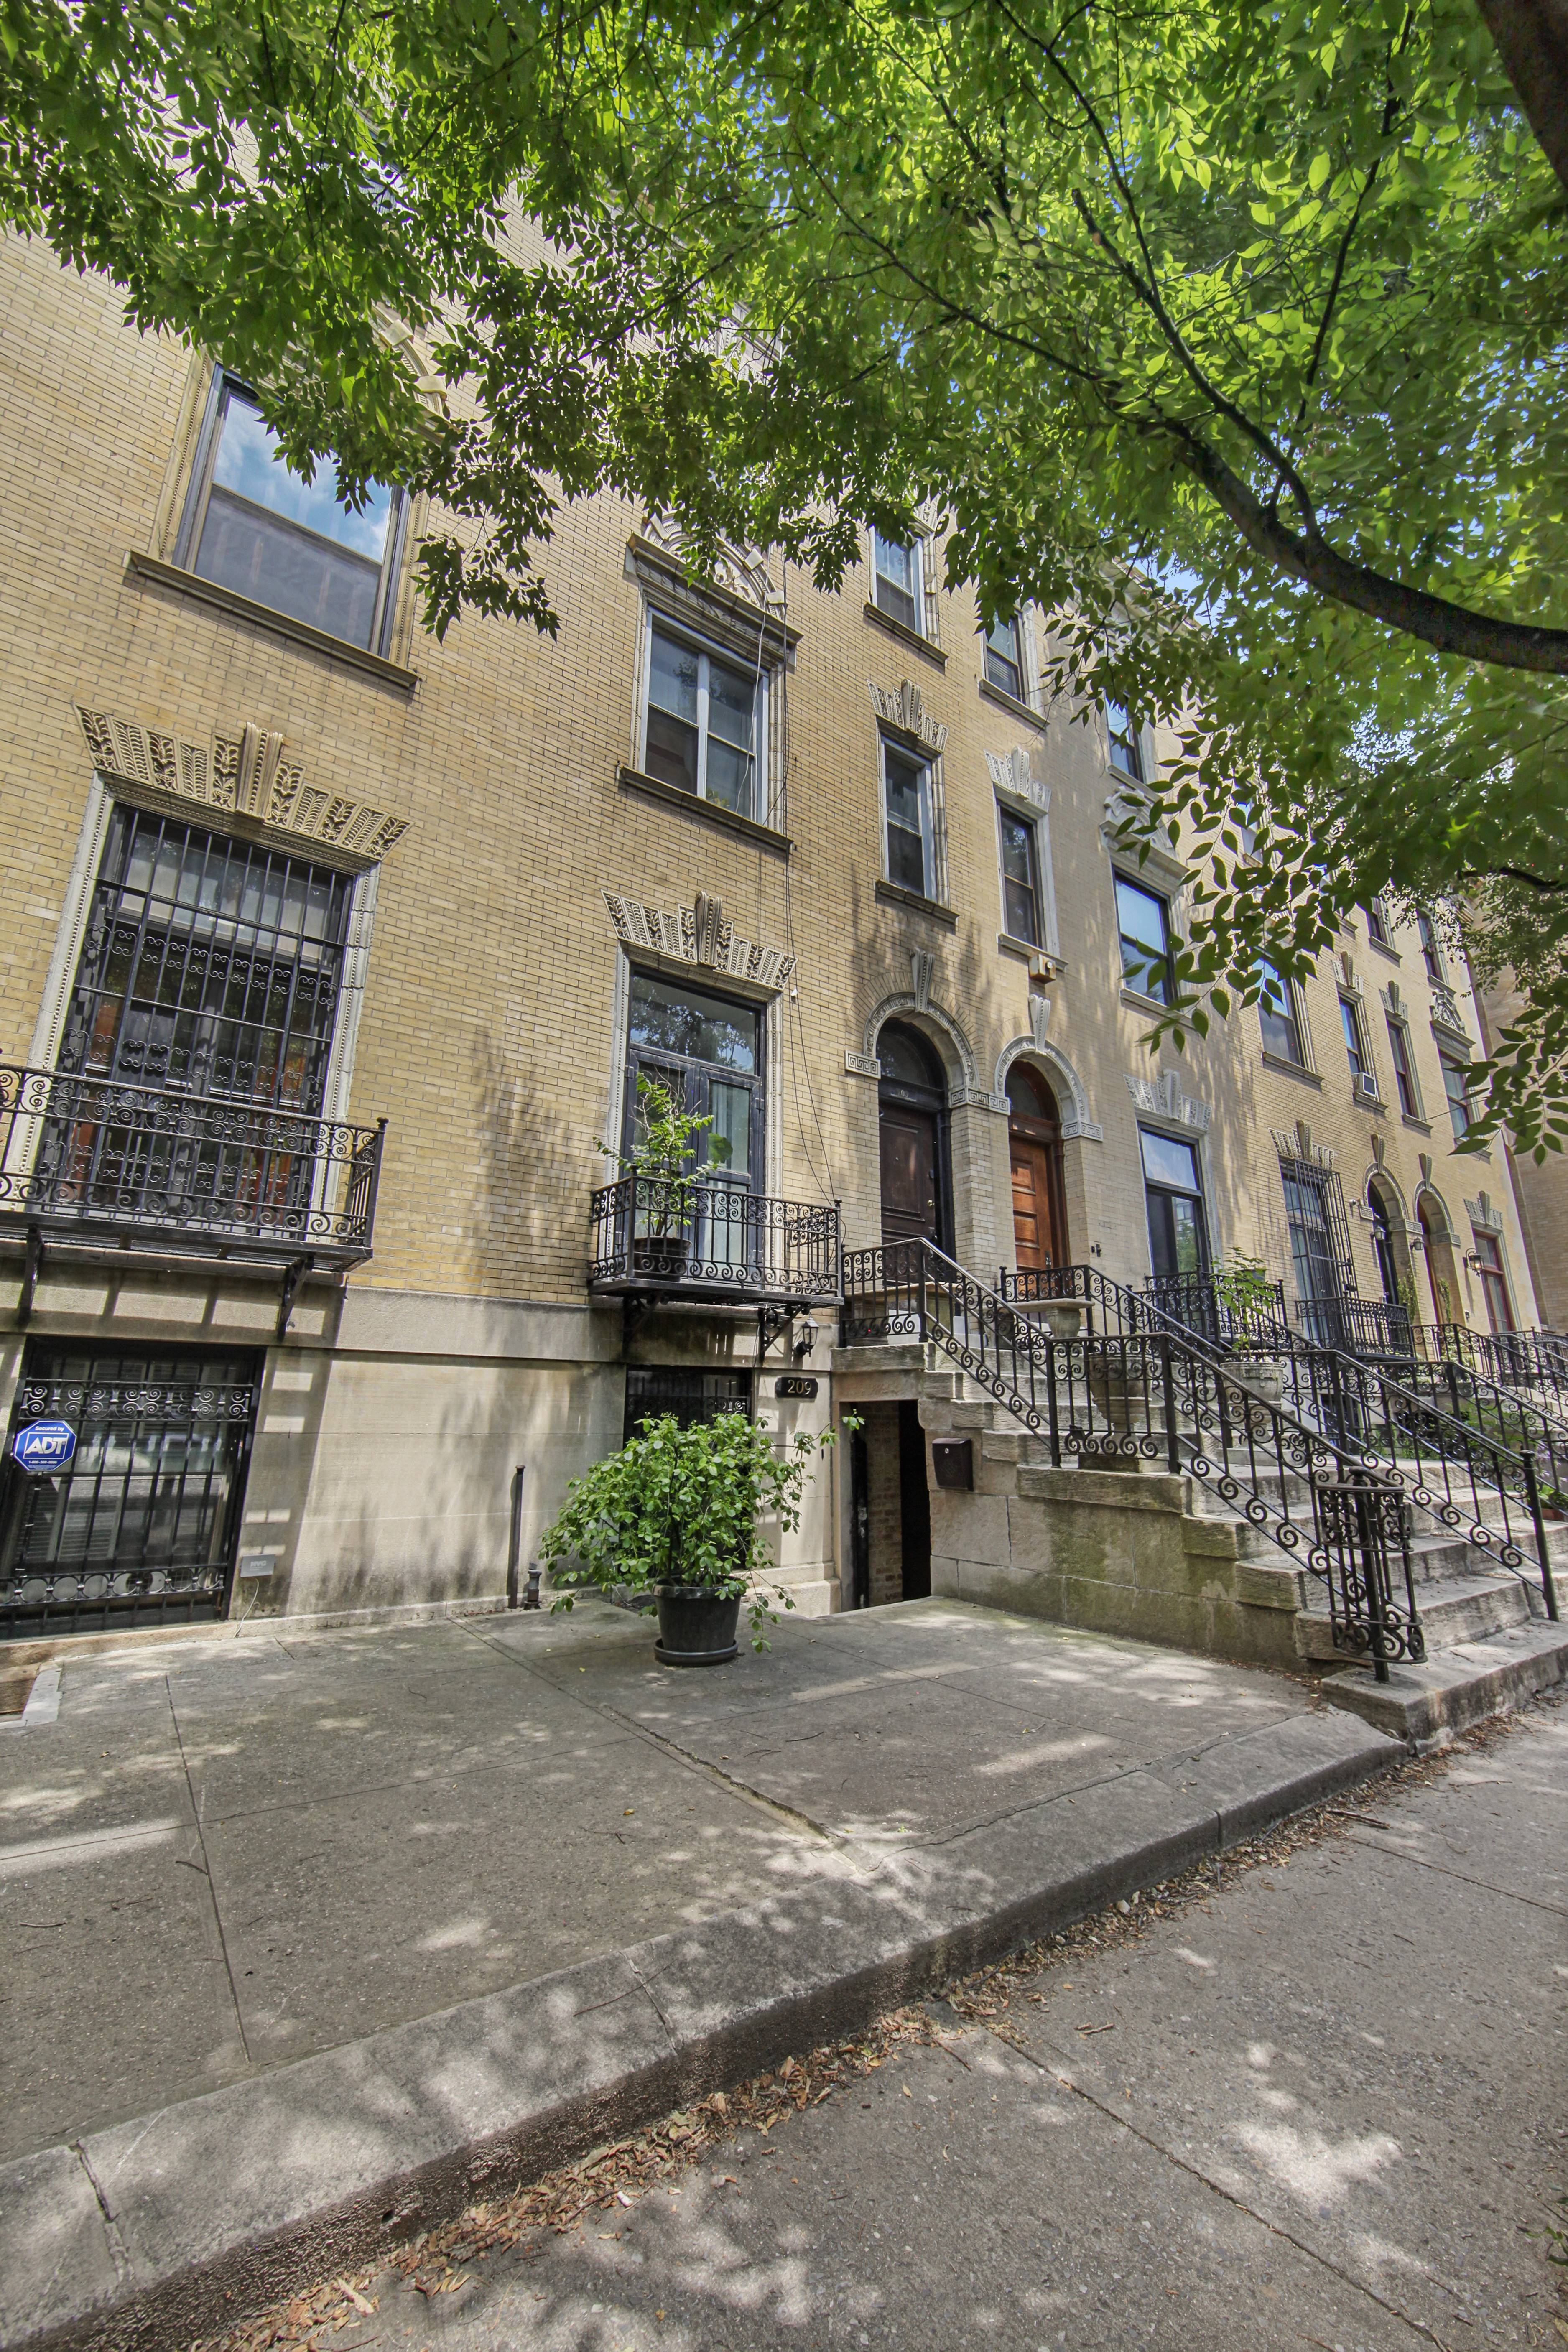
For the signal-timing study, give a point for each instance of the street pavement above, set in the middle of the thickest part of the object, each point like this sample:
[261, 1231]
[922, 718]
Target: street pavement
[229, 1853]
[1319, 2101]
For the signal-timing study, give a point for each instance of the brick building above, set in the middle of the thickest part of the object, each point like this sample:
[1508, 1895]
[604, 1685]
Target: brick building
[280, 869]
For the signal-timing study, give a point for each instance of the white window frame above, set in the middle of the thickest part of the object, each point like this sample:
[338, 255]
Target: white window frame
[1296, 997]
[1020, 644]
[1394, 1021]
[1038, 818]
[929, 858]
[921, 626]
[198, 496]
[1153, 886]
[707, 650]
[1139, 738]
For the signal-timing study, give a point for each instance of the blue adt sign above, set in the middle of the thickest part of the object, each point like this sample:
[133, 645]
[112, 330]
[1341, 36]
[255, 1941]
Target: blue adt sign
[44, 1445]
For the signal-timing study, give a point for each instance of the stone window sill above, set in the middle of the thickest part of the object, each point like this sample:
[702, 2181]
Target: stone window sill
[1381, 947]
[893, 893]
[1038, 959]
[1153, 1006]
[1292, 1070]
[245, 608]
[911, 637]
[1005, 701]
[1421, 1126]
[654, 787]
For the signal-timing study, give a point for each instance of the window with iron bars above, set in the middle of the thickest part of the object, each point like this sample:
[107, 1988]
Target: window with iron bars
[211, 967]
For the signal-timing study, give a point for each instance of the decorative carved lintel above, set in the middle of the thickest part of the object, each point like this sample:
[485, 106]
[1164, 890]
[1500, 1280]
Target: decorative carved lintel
[239, 773]
[698, 934]
[906, 712]
[1161, 1097]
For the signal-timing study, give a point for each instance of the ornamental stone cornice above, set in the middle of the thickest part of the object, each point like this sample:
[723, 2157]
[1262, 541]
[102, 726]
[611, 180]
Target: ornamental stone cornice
[698, 934]
[240, 772]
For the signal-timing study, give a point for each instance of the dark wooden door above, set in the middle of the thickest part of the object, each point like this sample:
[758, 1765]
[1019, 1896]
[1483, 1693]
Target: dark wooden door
[909, 1183]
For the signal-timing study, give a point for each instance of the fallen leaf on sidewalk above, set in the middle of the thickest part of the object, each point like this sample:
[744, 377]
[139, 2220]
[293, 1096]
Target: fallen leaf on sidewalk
[360, 2302]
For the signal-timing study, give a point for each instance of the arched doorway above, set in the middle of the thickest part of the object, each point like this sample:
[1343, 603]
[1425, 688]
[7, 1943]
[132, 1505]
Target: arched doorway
[1442, 1272]
[912, 1119]
[1034, 1148]
[1390, 1255]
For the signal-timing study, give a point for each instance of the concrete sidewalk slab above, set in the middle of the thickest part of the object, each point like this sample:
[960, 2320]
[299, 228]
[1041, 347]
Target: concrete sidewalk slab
[764, 1934]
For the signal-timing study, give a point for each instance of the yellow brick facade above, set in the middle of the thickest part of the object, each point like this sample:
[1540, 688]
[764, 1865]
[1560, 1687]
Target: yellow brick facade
[398, 1409]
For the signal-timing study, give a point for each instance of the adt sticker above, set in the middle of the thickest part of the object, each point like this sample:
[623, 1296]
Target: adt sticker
[44, 1445]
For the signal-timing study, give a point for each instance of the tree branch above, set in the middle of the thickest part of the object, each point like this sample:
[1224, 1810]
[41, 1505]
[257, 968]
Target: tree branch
[1531, 38]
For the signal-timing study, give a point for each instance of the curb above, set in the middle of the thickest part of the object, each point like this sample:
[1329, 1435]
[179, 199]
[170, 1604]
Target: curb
[185, 2222]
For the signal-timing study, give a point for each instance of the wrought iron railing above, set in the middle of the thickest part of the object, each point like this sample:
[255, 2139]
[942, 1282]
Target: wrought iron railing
[1227, 1315]
[1357, 1327]
[672, 1235]
[1536, 1360]
[1135, 1385]
[84, 1154]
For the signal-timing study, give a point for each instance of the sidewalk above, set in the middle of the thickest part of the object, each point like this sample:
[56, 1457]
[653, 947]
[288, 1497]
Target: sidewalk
[230, 1855]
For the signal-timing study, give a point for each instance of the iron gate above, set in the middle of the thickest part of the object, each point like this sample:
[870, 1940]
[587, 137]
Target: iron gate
[142, 1526]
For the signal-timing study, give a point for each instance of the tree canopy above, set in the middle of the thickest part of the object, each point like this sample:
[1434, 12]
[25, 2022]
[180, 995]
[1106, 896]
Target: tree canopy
[1234, 336]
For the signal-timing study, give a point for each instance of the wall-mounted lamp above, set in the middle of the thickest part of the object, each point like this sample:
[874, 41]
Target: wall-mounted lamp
[806, 1337]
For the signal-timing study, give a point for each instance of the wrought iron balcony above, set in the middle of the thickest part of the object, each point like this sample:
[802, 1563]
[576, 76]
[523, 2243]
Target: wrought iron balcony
[95, 1159]
[678, 1238]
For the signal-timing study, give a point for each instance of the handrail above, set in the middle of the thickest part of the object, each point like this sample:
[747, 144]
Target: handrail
[1123, 1392]
[1347, 1397]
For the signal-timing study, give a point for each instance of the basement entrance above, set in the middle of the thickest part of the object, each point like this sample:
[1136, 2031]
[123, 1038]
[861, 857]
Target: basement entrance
[142, 1524]
[890, 1505]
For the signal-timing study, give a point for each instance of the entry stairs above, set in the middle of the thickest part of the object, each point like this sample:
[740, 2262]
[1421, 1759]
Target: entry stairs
[1488, 1642]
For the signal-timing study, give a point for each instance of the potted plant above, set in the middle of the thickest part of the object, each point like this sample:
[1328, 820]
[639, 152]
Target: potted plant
[663, 1181]
[678, 1513]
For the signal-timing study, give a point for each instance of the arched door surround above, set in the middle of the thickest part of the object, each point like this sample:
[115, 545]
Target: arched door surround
[913, 1124]
[1035, 1150]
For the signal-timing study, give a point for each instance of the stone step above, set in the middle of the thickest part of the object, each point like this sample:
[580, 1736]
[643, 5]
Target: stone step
[1427, 1704]
[1472, 1609]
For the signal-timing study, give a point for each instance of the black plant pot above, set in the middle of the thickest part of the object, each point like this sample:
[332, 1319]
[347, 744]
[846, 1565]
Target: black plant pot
[660, 1255]
[696, 1626]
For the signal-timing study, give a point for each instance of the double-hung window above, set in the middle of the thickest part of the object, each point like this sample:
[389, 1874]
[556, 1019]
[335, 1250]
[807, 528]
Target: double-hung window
[1005, 658]
[1121, 742]
[1456, 1086]
[1426, 933]
[910, 835]
[1020, 875]
[1376, 922]
[1277, 1017]
[1355, 1044]
[899, 580]
[1404, 1069]
[254, 526]
[703, 723]
[1143, 923]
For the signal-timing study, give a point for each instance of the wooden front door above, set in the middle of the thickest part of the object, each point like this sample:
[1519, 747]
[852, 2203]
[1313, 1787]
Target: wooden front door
[1033, 1234]
[910, 1191]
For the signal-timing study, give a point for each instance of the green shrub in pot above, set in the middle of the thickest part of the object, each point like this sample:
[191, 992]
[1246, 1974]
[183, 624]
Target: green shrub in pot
[684, 1508]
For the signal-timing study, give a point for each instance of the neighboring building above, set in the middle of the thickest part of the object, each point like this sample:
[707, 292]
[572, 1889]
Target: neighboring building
[279, 868]
[1540, 1188]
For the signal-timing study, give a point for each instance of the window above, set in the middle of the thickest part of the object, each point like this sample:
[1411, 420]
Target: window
[1404, 1071]
[1143, 921]
[1277, 1017]
[900, 589]
[263, 531]
[1121, 739]
[1355, 1047]
[1320, 1247]
[211, 967]
[1005, 657]
[1376, 924]
[1020, 877]
[1172, 1189]
[1456, 1086]
[1429, 955]
[906, 789]
[702, 723]
[1494, 1281]
[706, 1052]
[692, 1396]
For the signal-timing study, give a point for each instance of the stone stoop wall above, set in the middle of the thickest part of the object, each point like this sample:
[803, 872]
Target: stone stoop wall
[1109, 1551]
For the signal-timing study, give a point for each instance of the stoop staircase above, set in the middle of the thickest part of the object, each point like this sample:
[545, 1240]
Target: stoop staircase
[1293, 1512]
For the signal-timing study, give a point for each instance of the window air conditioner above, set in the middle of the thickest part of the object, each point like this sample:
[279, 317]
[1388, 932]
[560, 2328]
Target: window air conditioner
[1366, 1089]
